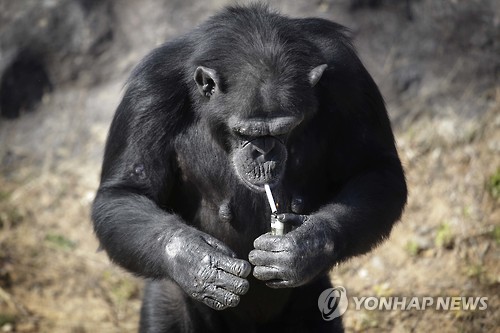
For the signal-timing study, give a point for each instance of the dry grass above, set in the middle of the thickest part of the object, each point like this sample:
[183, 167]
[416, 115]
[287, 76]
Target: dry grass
[52, 279]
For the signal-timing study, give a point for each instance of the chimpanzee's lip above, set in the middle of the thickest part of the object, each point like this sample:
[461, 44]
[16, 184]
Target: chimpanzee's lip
[278, 125]
[260, 187]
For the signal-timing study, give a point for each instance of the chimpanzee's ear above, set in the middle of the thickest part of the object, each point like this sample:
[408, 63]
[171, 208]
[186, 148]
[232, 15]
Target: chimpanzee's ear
[207, 81]
[316, 73]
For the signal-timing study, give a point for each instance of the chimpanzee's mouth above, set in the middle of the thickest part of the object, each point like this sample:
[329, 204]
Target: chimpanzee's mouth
[257, 174]
[260, 161]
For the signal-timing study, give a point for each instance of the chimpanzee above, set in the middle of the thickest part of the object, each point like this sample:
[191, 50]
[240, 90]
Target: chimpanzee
[248, 98]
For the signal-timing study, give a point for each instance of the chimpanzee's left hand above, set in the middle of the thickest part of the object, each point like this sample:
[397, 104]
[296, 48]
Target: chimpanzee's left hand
[295, 258]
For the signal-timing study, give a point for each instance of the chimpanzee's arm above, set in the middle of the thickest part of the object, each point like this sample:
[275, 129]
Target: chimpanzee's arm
[372, 189]
[360, 216]
[137, 172]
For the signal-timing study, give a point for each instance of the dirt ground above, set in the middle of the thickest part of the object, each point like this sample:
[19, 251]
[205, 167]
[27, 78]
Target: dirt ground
[439, 72]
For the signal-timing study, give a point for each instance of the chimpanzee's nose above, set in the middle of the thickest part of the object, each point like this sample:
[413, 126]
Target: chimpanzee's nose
[264, 144]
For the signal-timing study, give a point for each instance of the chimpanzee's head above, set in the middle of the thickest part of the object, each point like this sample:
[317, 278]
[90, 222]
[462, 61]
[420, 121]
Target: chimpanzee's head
[253, 114]
[256, 87]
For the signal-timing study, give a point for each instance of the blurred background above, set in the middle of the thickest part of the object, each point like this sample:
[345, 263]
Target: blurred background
[63, 64]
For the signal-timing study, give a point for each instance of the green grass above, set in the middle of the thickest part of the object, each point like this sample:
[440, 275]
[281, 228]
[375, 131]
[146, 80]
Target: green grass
[444, 236]
[6, 319]
[412, 248]
[494, 184]
[60, 242]
[495, 234]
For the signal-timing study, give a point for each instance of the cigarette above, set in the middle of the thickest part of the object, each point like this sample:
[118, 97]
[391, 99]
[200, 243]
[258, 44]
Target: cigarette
[270, 198]
[276, 226]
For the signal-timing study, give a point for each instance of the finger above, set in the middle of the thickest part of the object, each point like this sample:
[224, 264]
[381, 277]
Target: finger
[233, 266]
[280, 284]
[265, 273]
[268, 242]
[219, 299]
[263, 258]
[216, 305]
[232, 283]
[294, 220]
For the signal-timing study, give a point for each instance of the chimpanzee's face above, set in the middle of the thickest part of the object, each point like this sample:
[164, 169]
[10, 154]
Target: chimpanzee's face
[260, 153]
[257, 114]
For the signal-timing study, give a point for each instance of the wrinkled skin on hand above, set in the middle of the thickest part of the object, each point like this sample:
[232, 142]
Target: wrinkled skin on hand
[207, 269]
[295, 258]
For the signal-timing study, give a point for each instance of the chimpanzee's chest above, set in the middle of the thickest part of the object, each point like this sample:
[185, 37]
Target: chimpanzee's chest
[209, 195]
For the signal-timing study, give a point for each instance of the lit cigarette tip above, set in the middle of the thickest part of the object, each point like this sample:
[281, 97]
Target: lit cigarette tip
[270, 198]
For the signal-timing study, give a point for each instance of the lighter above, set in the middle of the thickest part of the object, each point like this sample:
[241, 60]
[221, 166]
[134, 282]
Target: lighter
[276, 226]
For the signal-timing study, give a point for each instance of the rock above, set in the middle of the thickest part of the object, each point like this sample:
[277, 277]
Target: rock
[47, 43]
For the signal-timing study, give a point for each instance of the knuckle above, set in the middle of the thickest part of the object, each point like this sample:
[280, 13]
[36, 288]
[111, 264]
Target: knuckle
[232, 300]
[214, 261]
[242, 287]
[235, 267]
[216, 305]
[208, 289]
[240, 268]
[206, 260]
[205, 274]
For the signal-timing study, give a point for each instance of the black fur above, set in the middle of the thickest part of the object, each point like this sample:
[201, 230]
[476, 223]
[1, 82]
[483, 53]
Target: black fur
[234, 93]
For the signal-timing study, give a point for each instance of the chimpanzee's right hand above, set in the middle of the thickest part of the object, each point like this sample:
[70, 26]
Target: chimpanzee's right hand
[206, 269]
